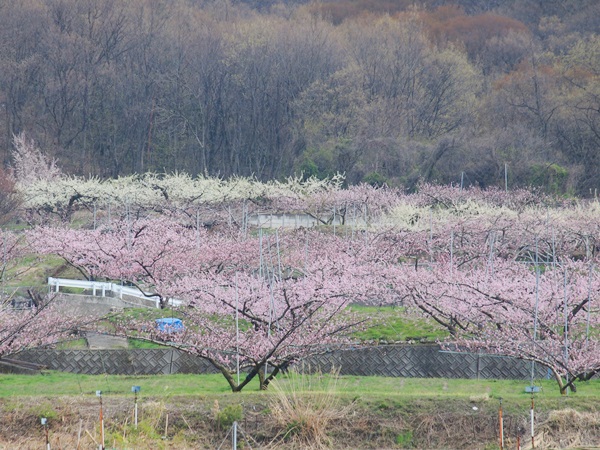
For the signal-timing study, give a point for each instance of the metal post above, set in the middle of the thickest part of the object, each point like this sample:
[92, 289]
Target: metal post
[101, 446]
[127, 215]
[197, 228]
[135, 390]
[505, 177]
[537, 301]
[566, 311]
[531, 413]
[430, 244]
[245, 220]
[491, 256]
[589, 308]
[135, 412]
[334, 220]
[501, 423]
[237, 330]
[353, 219]
[260, 244]
[451, 252]
[45, 425]
[4, 258]
[365, 219]
[234, 436]
[278, 256]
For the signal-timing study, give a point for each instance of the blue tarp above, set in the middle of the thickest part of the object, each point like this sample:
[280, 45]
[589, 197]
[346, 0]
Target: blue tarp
[169, 325]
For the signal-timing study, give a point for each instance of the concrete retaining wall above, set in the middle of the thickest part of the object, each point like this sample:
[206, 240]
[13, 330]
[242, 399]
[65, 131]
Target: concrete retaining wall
[421, 361]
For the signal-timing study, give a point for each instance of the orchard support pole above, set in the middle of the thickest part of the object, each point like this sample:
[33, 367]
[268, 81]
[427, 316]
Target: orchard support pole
[234, 436]
[531, 412]
[237, 330]
[501, 425]
[566, 355]
[101, 446]
[135, 390]
[45, 425]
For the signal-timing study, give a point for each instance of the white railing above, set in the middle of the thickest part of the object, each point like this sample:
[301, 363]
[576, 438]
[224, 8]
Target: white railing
[105, 287]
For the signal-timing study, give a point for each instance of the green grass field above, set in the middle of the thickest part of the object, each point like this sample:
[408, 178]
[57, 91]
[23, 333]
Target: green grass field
[374, 388]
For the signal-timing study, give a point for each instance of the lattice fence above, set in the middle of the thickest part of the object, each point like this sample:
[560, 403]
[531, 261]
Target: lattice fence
[122, 362]
[421, 361]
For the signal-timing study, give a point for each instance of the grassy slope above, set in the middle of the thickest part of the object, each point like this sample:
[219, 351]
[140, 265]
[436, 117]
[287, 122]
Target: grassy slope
[393, 324]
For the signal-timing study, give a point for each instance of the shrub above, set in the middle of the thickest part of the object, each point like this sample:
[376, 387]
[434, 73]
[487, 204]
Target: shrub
[226, 416]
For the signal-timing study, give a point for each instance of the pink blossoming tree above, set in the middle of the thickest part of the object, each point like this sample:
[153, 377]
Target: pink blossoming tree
[251, 304]
[31, 321]
[546, 314]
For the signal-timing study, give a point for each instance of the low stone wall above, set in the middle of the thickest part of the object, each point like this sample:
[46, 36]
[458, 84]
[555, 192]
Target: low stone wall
[422, 361]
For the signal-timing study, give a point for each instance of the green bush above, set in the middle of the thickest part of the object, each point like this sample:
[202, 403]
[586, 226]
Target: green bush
[44, 410]
[228, 415]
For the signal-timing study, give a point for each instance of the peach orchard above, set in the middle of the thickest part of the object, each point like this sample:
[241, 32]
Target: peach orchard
[509, 273]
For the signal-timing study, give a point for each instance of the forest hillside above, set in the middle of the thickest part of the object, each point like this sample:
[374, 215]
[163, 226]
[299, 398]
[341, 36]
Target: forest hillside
[384, 91]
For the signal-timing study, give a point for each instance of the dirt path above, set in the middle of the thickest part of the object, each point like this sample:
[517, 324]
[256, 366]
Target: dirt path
[99, 341]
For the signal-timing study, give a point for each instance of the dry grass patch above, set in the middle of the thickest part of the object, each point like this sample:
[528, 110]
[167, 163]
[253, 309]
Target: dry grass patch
[568, 428]
[304, 407]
